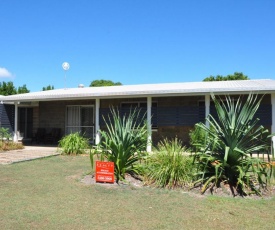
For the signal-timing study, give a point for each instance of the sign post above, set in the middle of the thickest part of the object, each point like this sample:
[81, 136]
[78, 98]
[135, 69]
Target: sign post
[104, 172]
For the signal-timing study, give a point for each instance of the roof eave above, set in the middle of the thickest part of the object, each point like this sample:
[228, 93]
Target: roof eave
[132, 95]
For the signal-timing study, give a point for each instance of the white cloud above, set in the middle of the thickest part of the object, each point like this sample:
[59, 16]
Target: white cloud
[4, 73]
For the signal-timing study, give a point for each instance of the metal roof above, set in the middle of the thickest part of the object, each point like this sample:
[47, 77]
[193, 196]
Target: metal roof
[163, 89]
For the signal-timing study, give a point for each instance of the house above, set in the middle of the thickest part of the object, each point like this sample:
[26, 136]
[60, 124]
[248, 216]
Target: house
[172, 109]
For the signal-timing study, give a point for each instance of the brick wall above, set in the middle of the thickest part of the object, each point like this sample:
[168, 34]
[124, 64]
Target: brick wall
[170, 132]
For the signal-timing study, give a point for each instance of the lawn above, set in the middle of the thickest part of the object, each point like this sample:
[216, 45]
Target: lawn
[48, 194]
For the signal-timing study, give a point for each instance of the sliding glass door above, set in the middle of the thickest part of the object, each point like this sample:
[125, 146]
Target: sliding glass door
[80, 119]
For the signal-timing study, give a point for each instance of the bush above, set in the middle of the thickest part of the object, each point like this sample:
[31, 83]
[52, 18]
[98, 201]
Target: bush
[170, 166]
[124, 142]
[197, 138]
[4, 134]
[73, 143]
[235, 135]
[5, 143]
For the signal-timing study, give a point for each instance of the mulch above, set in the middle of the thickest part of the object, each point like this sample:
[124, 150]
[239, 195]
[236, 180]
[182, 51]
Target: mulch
[132, 182]
[129, 181]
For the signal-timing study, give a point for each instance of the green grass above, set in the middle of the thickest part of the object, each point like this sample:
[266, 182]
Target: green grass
[48, 194]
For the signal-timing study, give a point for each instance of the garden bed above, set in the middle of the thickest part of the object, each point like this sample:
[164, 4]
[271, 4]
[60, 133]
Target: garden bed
[133, 182]
[129, 181]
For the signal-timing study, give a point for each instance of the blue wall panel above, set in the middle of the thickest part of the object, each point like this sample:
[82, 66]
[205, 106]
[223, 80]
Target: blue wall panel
[7, 117]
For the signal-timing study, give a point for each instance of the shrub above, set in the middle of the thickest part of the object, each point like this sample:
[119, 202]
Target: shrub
[5, 143]
[170, 166]
[6, 146]
[197, 138]
[235, 135]
[73, 143]
[4, 134]
[124, 142]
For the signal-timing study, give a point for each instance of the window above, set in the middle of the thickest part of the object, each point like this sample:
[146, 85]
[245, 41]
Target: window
[143, 106]
[80, 119]
[136, 104]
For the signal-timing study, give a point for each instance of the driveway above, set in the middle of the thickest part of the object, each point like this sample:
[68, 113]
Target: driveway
[26, 154]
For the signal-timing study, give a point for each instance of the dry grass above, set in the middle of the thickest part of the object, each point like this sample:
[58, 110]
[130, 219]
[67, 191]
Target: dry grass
[10, 145]
[48, 194]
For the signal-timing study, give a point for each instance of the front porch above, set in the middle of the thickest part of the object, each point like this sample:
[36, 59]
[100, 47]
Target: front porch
[166, 117]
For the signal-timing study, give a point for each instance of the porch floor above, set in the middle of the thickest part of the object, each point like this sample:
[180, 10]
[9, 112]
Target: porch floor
[26, 154]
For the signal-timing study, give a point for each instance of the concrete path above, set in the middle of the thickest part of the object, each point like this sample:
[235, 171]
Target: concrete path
[26, 154]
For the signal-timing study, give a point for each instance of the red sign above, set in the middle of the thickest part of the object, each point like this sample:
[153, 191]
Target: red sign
[104, 171]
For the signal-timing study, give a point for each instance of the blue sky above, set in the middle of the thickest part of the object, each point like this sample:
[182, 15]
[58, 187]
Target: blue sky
[134, 41]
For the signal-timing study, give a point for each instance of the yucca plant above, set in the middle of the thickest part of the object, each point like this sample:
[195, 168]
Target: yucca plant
[124, 142]
[231, 139]
[73, 143]
[169, 166]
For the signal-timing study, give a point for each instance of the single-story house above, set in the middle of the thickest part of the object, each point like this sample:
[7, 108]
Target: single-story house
[172, 109]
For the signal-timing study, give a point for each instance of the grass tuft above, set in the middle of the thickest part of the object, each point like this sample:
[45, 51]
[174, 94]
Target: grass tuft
[169, 166]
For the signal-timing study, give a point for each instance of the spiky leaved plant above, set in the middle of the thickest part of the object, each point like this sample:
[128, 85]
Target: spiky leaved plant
[124, 142]
[231, 140]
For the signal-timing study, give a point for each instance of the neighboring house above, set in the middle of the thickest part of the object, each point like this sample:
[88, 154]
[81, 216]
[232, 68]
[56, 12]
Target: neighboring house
[172, 108]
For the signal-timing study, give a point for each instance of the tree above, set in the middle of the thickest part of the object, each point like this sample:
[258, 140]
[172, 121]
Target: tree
[22, 89]
[7, 88]
[97, 83]
[230, 77]
[49, 87]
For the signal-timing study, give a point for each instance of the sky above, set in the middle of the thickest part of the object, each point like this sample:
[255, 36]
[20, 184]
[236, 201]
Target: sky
[134, 41]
